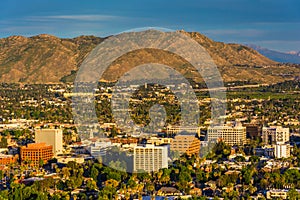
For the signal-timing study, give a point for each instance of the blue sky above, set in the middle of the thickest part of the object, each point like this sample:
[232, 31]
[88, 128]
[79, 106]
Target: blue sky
[274, 24]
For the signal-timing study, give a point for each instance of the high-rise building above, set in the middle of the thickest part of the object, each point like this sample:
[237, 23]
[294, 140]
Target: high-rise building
[282, 150]
[32, 154]
[188, 144]
[230, 134]
[52, 137]
[150, 158]
[275, 134]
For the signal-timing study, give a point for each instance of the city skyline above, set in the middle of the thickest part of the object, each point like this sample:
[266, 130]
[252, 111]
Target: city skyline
[210, 111]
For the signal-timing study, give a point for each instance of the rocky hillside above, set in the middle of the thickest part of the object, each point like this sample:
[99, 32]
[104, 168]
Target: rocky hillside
[48, 59]
[230, 54]
[42, 58]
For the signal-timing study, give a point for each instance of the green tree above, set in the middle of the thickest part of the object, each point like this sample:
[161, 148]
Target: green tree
[91, 185]
[3, 142]
[1, 174]
[94, 173]
[293, 194]
[41, 162]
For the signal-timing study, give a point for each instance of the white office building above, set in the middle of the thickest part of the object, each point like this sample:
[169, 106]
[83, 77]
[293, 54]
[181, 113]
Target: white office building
[282, 151]
[150, 158]
[230, 134]
[52, 137]
[99, 149]
[275, 134]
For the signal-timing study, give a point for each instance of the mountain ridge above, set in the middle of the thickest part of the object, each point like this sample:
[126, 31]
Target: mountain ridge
[48, 59]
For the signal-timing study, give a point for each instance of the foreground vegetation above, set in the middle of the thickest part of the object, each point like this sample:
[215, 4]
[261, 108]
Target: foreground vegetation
[97, 181]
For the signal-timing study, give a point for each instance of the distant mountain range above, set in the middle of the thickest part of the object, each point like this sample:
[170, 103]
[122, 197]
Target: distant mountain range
[296, 53]
[289, 57]
[49, 59]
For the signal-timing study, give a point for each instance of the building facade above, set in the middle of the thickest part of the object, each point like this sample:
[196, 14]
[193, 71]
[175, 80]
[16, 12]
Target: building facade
[282, 150]
[159, 141]
[99, 149]
[230, 134]
[275, 134]
[253, 131]
[150, 158]
[52, 137]
[277, 194]
[32, 154]
[267, 150]
[174, 130]
[8, 159]
[188, 144]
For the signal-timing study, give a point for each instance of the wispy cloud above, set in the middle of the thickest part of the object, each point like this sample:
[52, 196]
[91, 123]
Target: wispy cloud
[65, 25]
[94, 18]
[85, 17]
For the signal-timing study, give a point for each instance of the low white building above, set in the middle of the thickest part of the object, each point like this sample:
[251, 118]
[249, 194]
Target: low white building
[66, 159]
[277, 194]
[98, 149]
[279, 150]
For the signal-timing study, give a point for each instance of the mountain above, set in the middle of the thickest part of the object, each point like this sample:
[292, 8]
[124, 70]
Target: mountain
[49, 59]
[290, 57]
[42, 58]
[296, 53]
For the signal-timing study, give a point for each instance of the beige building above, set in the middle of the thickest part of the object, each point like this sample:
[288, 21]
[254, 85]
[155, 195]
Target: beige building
[150, 158]
[159, 141]
[188, 144]
[277, 194]
[53, 137]
[230, 134]
[174, 130]
[66, 159]
[275, 134]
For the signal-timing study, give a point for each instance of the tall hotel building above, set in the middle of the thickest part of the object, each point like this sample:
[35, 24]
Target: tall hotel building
[33, 153]
[52, 137]
[230, 134]
[150, 158]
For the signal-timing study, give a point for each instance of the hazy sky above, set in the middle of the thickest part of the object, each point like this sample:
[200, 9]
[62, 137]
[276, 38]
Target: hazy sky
[274, 24]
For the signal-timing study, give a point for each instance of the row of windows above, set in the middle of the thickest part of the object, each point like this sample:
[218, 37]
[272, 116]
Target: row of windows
[140, 159]
[147, 150]
[37, 155]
